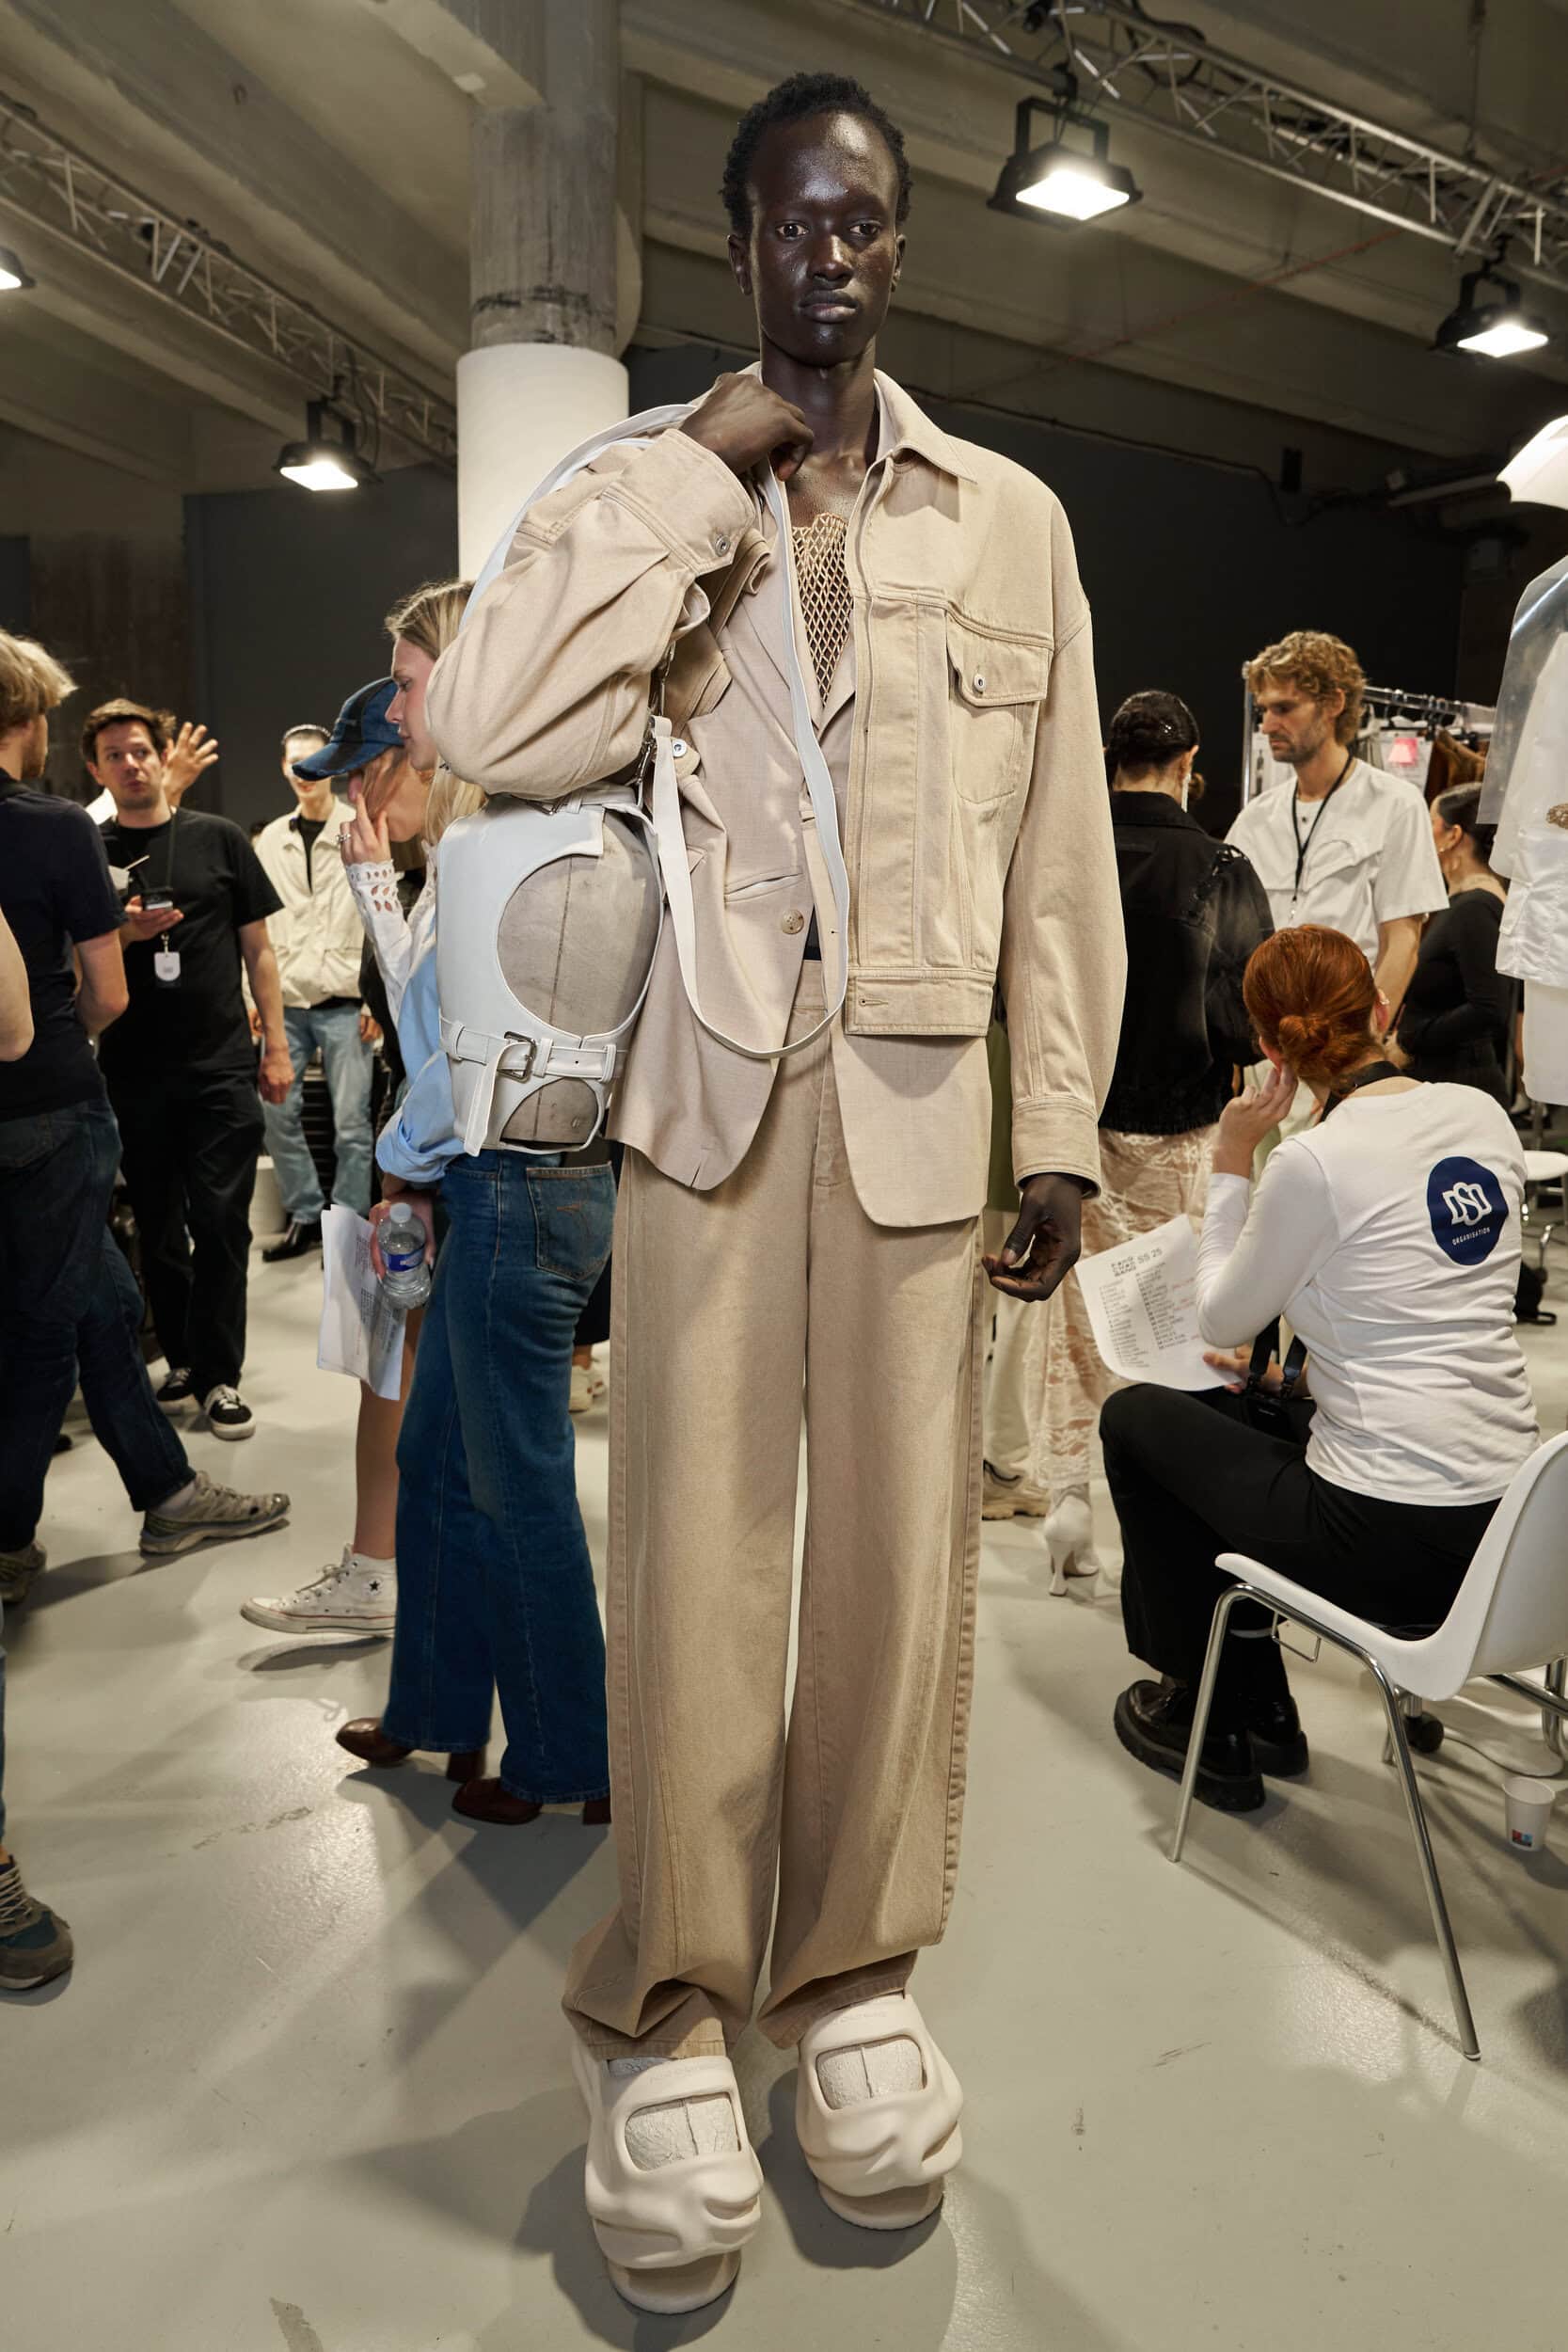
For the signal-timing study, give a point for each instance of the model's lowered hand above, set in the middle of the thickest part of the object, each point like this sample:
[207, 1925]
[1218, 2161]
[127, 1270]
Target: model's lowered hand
[1045, 1243]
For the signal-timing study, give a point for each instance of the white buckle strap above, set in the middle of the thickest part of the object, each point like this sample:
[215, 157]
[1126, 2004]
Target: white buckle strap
[533, 1062]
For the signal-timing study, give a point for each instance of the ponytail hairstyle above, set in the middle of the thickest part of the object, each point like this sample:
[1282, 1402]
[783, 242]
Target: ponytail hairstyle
[1149, 734]
[1313, 999]
[429, 618]
[1461, 806]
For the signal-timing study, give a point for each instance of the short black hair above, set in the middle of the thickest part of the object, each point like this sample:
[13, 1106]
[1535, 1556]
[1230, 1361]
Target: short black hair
[295, 734]
[791, 101]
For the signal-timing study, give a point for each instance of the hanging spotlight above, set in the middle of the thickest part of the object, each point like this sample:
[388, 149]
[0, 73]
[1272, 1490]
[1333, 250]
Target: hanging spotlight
[1499, 329]
[1062, 184]
[13, 277]
[326, 459]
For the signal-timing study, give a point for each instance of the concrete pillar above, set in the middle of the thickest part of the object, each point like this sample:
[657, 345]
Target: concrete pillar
[541, 375]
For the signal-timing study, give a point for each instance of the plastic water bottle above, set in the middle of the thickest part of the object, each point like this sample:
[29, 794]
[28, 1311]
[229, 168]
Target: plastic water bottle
[406, 1281]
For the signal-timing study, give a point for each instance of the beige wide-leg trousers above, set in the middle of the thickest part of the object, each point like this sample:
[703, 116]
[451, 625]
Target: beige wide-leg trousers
[726, 1304]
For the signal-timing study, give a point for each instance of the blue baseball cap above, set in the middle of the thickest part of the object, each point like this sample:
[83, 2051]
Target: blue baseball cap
[362, 734]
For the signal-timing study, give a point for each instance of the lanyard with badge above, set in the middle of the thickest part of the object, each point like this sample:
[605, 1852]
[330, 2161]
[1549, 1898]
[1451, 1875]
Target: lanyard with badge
[1302, 847]
[165, 960]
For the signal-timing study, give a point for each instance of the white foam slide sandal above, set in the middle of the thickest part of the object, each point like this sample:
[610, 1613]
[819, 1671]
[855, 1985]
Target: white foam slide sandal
[674, 2184]
[876, 2109]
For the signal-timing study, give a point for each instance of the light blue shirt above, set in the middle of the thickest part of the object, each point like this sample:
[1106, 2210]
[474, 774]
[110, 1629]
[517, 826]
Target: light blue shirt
[421, 1140]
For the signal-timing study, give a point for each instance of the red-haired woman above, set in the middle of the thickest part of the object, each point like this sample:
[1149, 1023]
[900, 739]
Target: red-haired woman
[1387, 1236]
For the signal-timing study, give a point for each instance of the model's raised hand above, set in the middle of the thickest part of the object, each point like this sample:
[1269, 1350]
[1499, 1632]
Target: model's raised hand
[748, 425]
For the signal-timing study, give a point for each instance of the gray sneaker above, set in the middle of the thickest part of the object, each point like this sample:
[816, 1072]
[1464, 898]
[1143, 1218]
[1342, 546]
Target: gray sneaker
[35, 1942]
[209, 1514]
[17, 1571]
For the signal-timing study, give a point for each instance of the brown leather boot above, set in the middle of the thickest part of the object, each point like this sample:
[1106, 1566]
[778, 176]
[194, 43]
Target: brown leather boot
[365, 1739]
[595, 1813]
[487, 1801]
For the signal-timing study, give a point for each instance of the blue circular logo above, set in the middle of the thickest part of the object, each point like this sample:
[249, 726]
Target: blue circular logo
[1468, 1209]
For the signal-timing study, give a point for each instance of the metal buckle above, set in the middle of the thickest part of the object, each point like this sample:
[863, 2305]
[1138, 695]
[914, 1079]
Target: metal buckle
[531, 1047]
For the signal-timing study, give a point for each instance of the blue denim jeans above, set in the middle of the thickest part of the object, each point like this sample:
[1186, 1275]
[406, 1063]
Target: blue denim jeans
[346, 1060]
[70, 1308]
[495, 1585]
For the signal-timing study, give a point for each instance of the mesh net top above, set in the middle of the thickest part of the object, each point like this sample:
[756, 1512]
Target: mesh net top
[824, 584]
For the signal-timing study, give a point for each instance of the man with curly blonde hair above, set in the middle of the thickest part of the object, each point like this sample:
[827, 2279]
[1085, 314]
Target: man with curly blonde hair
[1348, 847]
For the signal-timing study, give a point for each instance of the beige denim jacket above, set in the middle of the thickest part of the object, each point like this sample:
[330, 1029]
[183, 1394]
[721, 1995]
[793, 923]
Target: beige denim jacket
[964, 740]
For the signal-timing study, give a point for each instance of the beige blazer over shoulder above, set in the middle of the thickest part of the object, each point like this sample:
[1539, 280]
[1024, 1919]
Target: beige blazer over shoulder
[963, 738]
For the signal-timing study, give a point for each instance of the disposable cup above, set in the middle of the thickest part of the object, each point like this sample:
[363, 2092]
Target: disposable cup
[1528, 1806]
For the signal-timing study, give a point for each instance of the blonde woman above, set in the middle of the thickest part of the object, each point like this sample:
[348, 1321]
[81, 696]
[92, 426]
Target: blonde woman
[395, 807]
[357, 1594]
[495, 1588]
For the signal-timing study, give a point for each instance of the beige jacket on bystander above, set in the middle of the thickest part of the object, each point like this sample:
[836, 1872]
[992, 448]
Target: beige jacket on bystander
[316, 935]
[963, 740]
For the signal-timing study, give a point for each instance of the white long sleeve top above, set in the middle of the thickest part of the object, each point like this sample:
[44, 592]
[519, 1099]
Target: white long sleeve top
[1389, 1238]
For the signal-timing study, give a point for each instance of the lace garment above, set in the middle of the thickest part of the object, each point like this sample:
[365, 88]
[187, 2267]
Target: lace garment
[824, 583]
[1146, 1180]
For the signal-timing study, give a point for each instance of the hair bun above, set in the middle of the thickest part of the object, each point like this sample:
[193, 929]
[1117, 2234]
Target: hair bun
[1301, 1039]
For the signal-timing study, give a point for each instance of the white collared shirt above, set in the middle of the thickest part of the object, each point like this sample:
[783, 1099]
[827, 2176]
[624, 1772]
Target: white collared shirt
[1369, 855]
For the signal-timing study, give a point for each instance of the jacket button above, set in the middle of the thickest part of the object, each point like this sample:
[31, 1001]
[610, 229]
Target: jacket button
[979, 682]
[721, 545]
[793, 923]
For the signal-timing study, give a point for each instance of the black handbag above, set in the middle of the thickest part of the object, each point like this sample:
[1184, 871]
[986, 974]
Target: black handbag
[1274, 1412]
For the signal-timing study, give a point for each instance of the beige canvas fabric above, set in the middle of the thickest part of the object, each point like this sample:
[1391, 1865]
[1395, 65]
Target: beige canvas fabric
[961, 731]
[574, 944]
[724, 1303]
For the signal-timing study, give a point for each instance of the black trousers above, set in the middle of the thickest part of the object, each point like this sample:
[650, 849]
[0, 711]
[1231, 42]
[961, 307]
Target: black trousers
[1190, 1478]
[189, 1144]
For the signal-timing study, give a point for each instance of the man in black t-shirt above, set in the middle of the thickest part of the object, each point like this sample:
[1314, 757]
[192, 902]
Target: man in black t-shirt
[69, 1304]
[181, 1065]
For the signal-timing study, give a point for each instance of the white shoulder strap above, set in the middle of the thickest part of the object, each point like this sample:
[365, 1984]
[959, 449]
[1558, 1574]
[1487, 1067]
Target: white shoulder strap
[833, 936]
[634, 430]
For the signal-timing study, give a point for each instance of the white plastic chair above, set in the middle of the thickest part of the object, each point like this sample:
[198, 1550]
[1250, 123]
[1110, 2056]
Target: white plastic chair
[1510, 1613]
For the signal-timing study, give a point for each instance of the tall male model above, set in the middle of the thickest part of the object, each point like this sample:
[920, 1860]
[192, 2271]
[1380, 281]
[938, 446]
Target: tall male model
[807, 1222]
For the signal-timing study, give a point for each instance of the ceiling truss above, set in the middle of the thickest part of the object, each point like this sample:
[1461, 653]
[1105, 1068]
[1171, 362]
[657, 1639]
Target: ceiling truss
[1168, 76]
[53, 185]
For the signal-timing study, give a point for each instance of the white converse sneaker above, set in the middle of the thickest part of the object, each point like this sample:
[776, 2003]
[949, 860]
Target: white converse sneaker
[227, 1414]
[358, 1596]
[876, 2109]
[672, 2183]
[588, 1388]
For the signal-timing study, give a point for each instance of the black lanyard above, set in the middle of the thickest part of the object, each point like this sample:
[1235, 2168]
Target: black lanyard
[1373, 1074]
[1302, 847]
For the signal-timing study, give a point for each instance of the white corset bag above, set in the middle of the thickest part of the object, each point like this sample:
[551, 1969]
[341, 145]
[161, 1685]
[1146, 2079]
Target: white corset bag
[546, 926]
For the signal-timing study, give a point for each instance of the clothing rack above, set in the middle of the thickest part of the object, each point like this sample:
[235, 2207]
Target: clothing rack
[1393, 706]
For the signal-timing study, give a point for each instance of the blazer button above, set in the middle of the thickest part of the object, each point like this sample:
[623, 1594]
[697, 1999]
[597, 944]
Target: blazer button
[793, 923]
[979, 682]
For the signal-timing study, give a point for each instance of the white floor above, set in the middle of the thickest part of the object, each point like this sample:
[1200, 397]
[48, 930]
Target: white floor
[307, 2089]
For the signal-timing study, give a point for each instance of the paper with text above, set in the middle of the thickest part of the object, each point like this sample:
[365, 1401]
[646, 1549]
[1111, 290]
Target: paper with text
[1143, 1308]
[361, 1331]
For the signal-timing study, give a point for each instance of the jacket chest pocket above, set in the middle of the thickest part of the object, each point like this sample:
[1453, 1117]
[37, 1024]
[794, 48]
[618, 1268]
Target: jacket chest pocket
[999, 684]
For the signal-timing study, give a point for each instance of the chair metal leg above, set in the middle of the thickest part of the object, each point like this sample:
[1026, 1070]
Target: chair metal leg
[1552, 1728]
[1438, 1908]
[1222, 1607]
